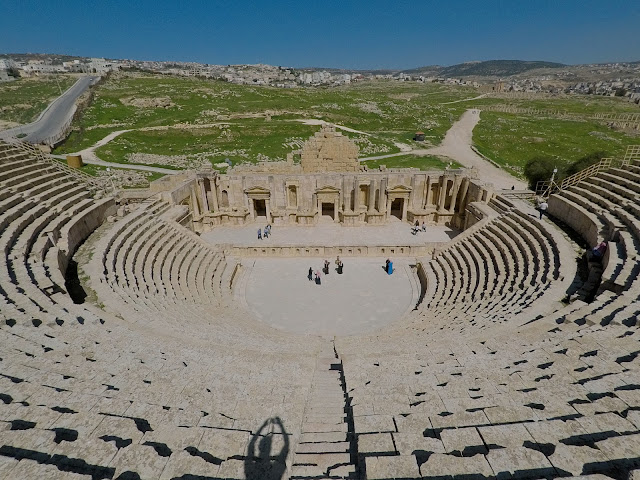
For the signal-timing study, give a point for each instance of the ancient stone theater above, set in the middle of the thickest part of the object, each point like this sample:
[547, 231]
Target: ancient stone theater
[150, 334]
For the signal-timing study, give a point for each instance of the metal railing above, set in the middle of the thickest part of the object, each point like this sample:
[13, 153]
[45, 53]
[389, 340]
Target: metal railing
[632, 155]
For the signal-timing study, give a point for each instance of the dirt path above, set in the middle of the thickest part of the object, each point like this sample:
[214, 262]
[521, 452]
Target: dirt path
[313, 121]
[465, 99]
[457, 146]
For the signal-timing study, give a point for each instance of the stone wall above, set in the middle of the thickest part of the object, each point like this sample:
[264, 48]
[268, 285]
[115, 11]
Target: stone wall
[359, 198]
[329, 151]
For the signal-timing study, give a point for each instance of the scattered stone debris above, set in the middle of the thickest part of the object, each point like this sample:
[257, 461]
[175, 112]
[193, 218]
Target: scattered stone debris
[155, 102]
[196, 160]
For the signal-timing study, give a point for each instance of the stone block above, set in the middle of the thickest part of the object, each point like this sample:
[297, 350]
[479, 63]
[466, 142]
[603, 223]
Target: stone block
[374, 424]
[576, 460]
[376, 444]
[409, 443]
[464, 441]
[446, 466]
[519, 463]
[393, 467]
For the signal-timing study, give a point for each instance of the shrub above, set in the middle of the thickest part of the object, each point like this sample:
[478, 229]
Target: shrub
[539, 169]
[586, 161]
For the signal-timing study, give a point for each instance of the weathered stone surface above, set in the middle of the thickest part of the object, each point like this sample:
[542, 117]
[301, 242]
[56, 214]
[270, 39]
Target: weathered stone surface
[519, 463]
[374, 424]
[577, 460]
[329, 151]
[508, 436]
[408, 443]
[465, 441]
[375, 444]
[397, 467]
[440, 465]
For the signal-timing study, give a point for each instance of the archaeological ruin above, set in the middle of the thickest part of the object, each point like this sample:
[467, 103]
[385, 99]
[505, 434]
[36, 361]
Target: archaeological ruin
[135, 344]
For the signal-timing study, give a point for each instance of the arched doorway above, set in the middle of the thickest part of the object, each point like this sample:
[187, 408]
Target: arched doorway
[397, 207]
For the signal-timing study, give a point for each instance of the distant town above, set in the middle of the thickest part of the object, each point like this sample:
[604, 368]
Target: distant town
[612, 79]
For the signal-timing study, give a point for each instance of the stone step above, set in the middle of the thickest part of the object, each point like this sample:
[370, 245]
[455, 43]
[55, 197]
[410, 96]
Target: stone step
[323, 461]
[329, 401]
[324, 409]
[323, 437]
[308, 427]
[304, 472]
[324, 447]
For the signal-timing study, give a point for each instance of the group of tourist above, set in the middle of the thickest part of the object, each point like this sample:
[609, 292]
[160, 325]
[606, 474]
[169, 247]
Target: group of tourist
[267, 232]
[315, 276]
[417, 228]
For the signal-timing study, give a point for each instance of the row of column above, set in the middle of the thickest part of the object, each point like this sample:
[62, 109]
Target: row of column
[204, 201]
[460, 186]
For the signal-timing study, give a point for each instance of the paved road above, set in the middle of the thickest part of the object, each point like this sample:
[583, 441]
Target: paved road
[54, 118]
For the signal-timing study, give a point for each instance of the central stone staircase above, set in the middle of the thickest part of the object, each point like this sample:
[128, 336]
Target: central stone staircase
[325, 448]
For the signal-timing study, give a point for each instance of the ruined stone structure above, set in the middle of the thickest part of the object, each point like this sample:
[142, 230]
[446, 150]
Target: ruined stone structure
[329, 151]
[360, 198]
[329, 185]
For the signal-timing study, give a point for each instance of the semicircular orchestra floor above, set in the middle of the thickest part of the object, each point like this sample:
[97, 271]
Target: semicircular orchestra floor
[363, 299]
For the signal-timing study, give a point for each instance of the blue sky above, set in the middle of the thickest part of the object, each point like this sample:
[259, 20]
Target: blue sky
[372, 34]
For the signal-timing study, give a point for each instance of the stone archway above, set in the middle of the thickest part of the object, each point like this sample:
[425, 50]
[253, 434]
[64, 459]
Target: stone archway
[328, 198]
[397, 207]
[259, 199]
[398, 201]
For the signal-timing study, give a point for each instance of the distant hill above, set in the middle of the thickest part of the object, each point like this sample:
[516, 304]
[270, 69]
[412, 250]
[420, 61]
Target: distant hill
[489, 68]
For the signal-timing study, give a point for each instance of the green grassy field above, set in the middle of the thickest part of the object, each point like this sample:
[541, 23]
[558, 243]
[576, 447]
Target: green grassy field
[213, 120]
[389, 111]
[510, 140]
[22, 100]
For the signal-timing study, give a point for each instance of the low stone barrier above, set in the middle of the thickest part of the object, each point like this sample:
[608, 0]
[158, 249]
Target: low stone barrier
[333, 251]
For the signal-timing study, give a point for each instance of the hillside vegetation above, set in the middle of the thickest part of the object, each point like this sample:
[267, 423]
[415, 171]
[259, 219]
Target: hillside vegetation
[498, 68]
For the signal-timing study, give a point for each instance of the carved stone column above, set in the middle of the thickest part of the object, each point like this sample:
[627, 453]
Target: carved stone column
[356, 195]
[463, 193]
[214, 194]
[194, 202]
[454, 194]
[442, 193]
[372, 194]
[428, 192]
[203, 193]
[382, 200]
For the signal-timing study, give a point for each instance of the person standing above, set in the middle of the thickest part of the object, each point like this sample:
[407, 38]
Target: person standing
[543, 208]
[259, 234]
[318, 281]
[310, 276]
[326, 267]
[340, 266]
[424, 227]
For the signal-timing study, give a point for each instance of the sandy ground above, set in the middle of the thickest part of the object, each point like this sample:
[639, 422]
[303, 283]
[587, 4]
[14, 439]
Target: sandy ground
[363, 299]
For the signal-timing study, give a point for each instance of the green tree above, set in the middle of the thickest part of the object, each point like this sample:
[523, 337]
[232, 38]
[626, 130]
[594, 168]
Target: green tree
[586, 161]
[539, 168]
